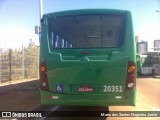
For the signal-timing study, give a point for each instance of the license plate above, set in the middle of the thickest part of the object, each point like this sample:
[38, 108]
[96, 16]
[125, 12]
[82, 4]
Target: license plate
[85, 89]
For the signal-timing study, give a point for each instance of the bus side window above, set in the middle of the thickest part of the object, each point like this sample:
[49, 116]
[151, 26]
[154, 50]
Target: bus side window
[56, 40]
[53, 39]
[138, 59]
[59, 41]
[156, 61]
[62, 43]
[142, 60]
[68, 44]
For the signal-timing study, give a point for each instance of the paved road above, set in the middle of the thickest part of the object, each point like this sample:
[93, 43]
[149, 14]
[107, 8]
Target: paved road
[148, 96]
[148, 99]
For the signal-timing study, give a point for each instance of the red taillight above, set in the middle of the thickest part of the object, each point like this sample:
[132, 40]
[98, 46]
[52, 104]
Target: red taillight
[43, 76]
[131, 76]
[49, 97]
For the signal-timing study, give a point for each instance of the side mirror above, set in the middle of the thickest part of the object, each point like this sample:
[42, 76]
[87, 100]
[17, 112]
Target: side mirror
[43, 22]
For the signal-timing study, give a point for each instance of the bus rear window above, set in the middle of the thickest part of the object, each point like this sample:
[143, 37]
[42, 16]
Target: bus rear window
[86, 31]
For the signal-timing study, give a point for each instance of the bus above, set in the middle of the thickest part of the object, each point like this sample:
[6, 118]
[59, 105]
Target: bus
[151, 65]
[140, 61]
[88, 58]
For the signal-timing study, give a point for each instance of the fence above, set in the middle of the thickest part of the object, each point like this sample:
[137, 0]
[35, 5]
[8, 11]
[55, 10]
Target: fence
[19, 64]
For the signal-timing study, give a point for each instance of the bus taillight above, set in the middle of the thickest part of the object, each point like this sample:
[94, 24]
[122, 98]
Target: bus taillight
[43, 76]
[131, 76]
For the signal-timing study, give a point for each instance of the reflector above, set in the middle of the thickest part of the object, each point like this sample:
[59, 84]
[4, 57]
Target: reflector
[131, 68]
[130, 85]
[49, 97]
[43, 69]
[44, 84]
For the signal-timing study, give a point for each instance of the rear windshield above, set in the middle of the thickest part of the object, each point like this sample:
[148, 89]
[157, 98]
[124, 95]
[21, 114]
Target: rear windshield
[86, 31]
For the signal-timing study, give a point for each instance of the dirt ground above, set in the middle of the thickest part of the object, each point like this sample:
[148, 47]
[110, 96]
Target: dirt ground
[24, 99]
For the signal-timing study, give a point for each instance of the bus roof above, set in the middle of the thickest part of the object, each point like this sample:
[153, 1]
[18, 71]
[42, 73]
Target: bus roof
[87, 11]
[152, 53]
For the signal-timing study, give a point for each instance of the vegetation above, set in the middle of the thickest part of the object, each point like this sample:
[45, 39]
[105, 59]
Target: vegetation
[19, 63]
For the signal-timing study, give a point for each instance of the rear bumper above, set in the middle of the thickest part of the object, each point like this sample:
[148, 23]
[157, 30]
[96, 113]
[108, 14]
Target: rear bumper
[114, 99]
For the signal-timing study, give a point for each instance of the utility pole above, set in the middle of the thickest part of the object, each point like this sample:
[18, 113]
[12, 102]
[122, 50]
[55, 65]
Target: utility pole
[22, 62]
[1, 66]
[39, 28]
[10, 64]
[40, 9]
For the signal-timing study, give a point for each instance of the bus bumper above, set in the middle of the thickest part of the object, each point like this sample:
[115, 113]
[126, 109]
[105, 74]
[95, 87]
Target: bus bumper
[117, 99]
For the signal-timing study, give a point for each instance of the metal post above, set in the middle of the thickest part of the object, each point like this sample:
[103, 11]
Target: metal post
[41, 13]
[22, 62]
[10, 64]
[40, 8]
[38, 62]
[0, 66]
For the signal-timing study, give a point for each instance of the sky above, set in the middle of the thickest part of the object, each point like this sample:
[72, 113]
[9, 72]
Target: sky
[18, 17]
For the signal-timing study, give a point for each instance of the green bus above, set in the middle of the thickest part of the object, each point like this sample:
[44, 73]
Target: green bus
[150, 63]
[140, 61]
[88, 58]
